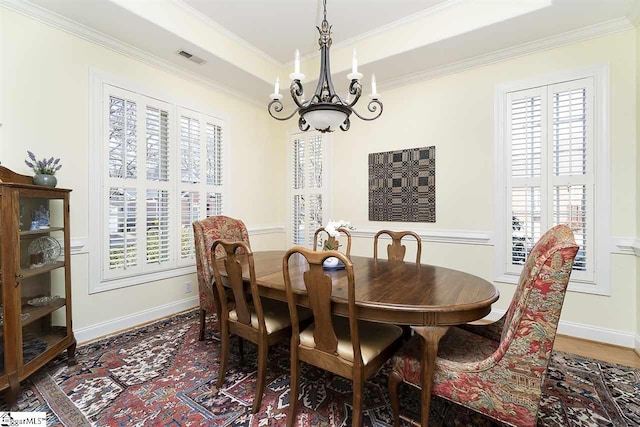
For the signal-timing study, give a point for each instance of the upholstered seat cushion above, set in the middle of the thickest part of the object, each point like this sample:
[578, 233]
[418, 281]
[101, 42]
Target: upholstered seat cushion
[276, 315]
[374, 338]
[457, 346]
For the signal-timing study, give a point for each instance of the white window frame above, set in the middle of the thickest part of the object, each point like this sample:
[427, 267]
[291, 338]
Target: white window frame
[101, 85]
[326, 192]
[599, 283]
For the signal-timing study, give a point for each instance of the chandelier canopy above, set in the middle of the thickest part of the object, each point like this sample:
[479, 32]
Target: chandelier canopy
[325, 111]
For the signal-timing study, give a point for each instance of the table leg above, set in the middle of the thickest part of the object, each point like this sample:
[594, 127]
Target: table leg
[430, 338]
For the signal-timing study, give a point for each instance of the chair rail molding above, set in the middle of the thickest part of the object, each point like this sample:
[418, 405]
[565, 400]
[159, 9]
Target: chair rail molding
[256, 230]
[79, 245]
[464, 237]
[625, 246]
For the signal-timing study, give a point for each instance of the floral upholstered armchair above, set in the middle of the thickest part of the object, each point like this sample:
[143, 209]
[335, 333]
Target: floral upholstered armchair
[499, 369]
[205, 232]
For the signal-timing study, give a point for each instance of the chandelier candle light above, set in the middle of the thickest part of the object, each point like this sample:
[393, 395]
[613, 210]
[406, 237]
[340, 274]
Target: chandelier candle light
[325, 111]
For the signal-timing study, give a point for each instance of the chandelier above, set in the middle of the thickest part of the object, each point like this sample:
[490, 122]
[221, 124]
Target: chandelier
[325, 111]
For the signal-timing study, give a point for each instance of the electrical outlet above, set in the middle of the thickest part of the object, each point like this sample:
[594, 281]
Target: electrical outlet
[187, 287]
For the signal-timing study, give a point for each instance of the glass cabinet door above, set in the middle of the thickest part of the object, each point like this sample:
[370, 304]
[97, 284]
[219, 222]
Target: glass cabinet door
[2, 284]
[43, 313]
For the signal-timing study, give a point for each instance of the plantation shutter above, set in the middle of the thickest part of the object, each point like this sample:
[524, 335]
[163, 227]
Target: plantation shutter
[201, 174]
[214, 168]
[572, 178]
[138, 198]
[308, 186]
[550, 178]
[163, 169]
[526, 129]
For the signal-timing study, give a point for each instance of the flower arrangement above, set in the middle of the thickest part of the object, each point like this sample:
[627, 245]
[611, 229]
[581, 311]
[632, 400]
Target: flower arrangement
[332, 244]
[44, 166]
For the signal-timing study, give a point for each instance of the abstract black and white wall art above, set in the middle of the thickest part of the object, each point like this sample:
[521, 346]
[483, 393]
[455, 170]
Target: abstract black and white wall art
[402, 185]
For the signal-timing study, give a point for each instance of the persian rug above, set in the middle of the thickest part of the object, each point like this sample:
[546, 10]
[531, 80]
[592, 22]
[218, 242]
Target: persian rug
[161, 375]
[402, 185]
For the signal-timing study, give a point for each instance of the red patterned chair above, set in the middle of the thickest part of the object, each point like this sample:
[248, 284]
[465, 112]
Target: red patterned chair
[498, 369]
[205, 232]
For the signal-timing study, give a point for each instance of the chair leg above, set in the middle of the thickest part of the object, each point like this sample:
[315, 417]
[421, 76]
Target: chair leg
[395, 379]
[224, 354]
[293, 393]
[262, 372]
[203, 320]
[358, 396]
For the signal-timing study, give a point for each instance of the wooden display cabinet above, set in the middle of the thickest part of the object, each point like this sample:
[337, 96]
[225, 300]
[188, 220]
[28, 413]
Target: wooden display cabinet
[35, 275]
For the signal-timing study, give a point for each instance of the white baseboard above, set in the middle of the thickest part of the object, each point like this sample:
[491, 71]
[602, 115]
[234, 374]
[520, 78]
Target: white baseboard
[89, 333]
[587, 332]
[637, 346]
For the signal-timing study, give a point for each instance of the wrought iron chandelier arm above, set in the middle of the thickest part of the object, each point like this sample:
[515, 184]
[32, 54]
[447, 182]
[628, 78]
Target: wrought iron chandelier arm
[355, 88]
[372, 107]
[296, 92]
[275, 107]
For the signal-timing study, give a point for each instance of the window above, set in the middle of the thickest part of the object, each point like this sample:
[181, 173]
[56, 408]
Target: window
[162, 168]
[549, 173]
[308, 186]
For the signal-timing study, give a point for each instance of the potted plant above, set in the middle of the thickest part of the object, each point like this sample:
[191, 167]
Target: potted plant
[332, 244]
[45, 170]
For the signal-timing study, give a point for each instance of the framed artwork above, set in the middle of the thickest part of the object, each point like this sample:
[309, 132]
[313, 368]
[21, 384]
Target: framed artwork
[402, 185]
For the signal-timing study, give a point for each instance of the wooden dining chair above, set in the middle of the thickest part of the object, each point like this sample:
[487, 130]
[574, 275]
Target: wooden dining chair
[263, 322]
[396, 250]
[498, 369]
[343, 230]
[205, 232]
[345, 346]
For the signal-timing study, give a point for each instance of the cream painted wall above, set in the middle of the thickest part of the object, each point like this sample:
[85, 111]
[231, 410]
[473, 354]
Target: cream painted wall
[456, 114]
[44, 107]
[637, 55]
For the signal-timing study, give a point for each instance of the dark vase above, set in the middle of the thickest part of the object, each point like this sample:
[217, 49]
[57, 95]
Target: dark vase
[45, 180]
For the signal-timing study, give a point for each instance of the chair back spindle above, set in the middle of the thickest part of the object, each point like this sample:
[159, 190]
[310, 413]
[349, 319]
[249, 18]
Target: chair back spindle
[342, 230]
[233, 267]
[319, 286]
[396, 250]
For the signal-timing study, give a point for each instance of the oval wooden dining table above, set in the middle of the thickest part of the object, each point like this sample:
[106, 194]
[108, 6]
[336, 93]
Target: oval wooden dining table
[428, 298]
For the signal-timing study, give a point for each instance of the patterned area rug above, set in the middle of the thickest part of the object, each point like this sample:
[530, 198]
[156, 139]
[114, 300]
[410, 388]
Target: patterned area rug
[160, 374]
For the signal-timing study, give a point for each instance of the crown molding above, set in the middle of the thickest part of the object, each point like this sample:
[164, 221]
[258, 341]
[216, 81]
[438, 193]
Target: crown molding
[570, 37]
[82, 31]
[217, 27]
[384, 28]
[634, 14]
[395, 24]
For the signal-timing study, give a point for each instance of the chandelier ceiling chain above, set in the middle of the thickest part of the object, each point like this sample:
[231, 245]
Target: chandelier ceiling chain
[325, 111]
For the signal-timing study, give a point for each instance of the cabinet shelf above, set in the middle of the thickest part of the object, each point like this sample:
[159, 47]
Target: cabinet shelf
[38, 312]
[40, 231]
[30, 272]
[32, 335]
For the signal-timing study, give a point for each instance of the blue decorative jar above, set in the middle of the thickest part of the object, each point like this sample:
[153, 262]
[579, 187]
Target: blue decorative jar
[45, 180]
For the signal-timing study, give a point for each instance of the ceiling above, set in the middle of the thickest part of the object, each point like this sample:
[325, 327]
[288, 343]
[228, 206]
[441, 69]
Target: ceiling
[280, 27]
[247, 43]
